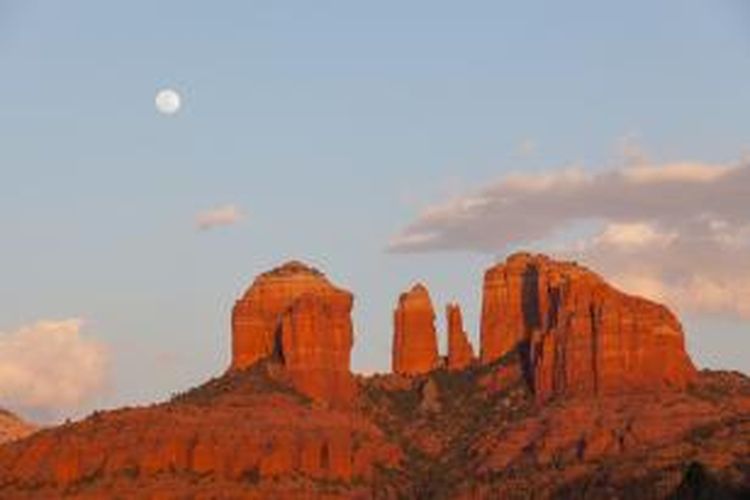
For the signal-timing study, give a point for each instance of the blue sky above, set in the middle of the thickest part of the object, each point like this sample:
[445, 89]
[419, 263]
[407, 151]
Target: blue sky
[330, 125]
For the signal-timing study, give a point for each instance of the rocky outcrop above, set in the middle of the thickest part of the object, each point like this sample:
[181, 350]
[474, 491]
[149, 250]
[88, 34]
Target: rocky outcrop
[244, 431]
[414, 339]
[316, 342]
[12, 427]
[460, 352]
[631, 445]
[575, 333]
[296, 317]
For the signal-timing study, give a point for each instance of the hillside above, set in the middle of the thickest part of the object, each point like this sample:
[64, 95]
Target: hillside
[578, 391]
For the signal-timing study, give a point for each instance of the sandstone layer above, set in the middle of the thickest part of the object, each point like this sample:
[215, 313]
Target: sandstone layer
[247, 431]
[442, 435]
[575, 333]
[415, 349]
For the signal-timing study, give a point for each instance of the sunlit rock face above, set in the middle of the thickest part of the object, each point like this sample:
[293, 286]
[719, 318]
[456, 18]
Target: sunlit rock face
[295, 316]
[13, 427]
[460, 352]
[245, 431]
[415, 348]
[577, 334]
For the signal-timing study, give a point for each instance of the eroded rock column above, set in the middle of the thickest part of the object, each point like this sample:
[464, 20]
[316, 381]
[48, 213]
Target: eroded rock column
[415, 348]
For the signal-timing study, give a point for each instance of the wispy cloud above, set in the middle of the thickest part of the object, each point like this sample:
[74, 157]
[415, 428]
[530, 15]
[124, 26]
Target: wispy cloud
[679, 232]
[220, 216]
[50, 366]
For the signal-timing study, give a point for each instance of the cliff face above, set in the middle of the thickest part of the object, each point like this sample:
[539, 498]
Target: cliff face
[502, 325]
[295, 316]
[576, 334]
[460, 353]
[316, 340]
[246, 431]
[415, 348]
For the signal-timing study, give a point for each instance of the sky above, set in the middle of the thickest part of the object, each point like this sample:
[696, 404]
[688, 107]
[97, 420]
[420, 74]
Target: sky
[381, 142]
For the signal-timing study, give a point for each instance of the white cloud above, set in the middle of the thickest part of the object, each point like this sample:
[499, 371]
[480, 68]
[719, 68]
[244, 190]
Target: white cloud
[566, 178]
[220, 216]
[634, 235]
[676, 172]
[50, 366]
[413, 239]
[694, 267]
[678, 232]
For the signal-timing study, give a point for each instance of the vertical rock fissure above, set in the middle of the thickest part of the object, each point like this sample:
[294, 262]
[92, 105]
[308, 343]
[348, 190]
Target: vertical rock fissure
[554, 307]
[594, 321]
[278, 345]
[531, 322]
[325, 457]
[530, 300]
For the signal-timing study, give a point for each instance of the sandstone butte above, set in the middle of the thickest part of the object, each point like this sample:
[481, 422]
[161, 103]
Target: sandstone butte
[631, 417]
[576, 334]
[296, 317]
[415, 348]
[460, 352]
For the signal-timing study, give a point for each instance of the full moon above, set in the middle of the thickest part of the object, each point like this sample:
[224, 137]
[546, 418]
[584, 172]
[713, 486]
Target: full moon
[168, 101]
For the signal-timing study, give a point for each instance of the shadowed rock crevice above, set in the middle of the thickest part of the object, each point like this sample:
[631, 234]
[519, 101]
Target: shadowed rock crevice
[278, 348]
[699, 483]
[525, 356]
[530, 300]
[595, 321]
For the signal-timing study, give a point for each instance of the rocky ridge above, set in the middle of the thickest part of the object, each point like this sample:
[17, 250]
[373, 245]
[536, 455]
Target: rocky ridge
[13, 427]
[567, 400]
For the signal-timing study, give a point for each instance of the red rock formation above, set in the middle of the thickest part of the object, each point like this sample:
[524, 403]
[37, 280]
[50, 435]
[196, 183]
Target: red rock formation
[414, 340]
[12, 427]
[576, 333]
[470, 434]
[316, 341]
[295, 315]
[460, 353]
[242, 431]
[502, 323]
